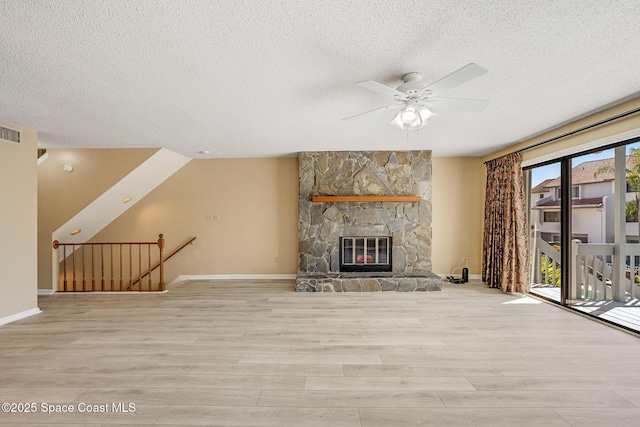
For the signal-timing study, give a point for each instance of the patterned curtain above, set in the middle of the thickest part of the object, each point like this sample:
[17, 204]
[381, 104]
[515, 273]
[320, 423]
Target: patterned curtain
[505, 248]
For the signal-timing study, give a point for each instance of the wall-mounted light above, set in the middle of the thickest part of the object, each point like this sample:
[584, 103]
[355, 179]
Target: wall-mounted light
[67, 168]
[76, 231]
[126, 200]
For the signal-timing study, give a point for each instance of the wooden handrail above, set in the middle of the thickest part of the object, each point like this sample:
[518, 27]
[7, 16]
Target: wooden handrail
[180, 248]
[56, 243]
[161, 265]
[100, 268]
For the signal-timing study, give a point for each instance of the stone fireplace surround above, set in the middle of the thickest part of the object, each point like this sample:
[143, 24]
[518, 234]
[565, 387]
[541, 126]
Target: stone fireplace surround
[321, 224]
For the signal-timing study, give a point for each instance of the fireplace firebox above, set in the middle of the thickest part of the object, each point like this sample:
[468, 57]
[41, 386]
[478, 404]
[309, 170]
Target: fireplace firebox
[365, 254]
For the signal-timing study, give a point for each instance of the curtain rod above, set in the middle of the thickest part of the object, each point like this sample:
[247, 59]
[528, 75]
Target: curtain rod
[582, 129]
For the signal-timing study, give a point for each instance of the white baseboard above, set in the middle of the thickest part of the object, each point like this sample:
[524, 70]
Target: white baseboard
[19, 316]
[114, 293]
[471, 276]
[232, 277]
[46, 292]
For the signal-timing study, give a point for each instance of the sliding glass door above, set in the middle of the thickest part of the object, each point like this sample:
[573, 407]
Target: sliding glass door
[544, 220]
[606, 262]
[585, 233]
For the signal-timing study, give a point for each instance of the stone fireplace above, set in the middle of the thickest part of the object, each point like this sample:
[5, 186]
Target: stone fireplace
[324, 227]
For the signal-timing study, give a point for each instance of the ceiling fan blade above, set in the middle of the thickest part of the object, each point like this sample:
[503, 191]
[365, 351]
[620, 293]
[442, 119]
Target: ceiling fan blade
[474, 105]
[379, 87]
[386, 107]
[456, 78]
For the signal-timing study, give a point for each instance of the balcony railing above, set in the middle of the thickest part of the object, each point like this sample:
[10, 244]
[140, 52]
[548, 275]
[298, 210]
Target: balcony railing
[592, 270]
[546, 264]
[594, 278]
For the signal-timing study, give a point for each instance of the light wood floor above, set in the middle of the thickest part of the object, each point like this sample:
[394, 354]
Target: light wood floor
[626, 313]
[259, 354]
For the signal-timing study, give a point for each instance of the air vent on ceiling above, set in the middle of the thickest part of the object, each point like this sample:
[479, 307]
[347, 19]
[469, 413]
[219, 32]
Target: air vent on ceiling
[9, 135]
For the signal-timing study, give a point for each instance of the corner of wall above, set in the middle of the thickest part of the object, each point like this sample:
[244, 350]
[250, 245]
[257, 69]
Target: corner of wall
[458, 213]
[18, 225]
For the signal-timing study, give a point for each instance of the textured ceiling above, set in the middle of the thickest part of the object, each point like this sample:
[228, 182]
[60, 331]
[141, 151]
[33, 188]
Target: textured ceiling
[256, 79]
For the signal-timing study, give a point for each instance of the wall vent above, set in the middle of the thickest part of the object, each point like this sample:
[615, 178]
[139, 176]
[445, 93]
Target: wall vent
[9, 135]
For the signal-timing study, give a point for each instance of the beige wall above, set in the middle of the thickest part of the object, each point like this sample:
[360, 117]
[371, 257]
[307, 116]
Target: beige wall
[255, 202]
[604, 133]
[18, 221]
[61, 195]
[458, 213]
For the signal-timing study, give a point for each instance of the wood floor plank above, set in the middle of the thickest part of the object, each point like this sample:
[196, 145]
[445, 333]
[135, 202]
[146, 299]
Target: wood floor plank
[462, 417]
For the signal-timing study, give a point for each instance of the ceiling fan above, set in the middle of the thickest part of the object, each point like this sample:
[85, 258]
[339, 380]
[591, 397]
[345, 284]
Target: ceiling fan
[419, 101]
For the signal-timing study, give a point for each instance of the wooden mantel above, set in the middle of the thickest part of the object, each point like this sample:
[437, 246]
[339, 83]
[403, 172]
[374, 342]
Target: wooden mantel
[365, 199]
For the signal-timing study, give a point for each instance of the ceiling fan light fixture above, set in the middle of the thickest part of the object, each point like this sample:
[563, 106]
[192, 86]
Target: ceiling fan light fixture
[426, 115]
[397, 121]
[409, 115]
[421, 116]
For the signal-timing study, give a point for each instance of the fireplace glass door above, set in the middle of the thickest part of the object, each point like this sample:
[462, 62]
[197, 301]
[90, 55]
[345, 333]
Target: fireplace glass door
[365, 254]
